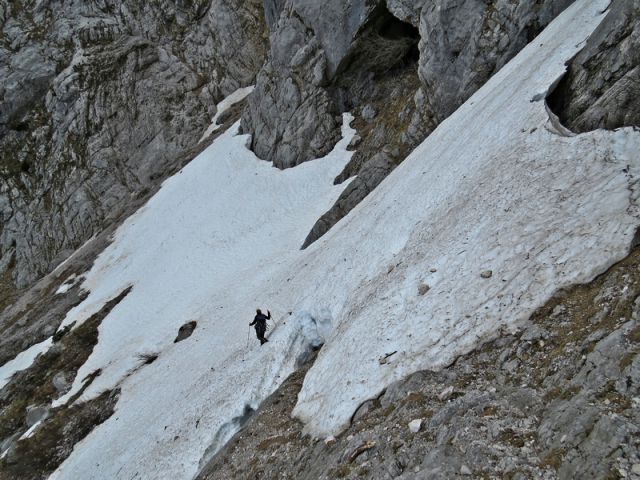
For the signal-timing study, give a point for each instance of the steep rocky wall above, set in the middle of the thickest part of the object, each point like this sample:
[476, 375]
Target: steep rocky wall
[291, 115]
[464, 42]
[401, 66]
[602, 87]
[99, 99]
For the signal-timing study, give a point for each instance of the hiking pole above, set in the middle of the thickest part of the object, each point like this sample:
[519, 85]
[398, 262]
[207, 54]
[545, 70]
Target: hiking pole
[248, 333]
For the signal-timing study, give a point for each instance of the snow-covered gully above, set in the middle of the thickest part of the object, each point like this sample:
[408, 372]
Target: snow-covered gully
[493, 213]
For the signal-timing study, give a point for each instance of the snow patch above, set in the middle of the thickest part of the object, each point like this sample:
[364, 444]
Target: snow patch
[223, 106]
[31, 431]
[23, 360]
[205, 248]
[68, 284]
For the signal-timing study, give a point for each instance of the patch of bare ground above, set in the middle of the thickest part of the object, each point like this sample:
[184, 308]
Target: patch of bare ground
[559, 399]
[26, 400]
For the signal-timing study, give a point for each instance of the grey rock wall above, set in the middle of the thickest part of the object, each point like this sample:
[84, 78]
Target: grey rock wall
[291, 114]
[602, 86]
[464, 42]
[98, 100]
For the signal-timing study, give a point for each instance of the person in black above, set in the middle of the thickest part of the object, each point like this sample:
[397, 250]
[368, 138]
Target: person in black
[260, 321]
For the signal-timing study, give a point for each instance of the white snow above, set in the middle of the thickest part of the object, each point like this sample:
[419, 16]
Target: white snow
[495, 187]
[31, 431]
[64, 288]
[67, 284]
[23, 360]
[223, 106]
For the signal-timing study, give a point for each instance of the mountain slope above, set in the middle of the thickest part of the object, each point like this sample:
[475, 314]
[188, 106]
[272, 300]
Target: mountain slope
[498, 209]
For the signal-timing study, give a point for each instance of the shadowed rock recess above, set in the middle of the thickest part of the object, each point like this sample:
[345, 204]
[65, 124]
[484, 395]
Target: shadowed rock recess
[99, 100]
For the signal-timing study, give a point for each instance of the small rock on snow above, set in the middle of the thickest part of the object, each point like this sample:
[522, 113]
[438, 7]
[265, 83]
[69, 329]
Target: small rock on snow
[487, 274]
[355, 141]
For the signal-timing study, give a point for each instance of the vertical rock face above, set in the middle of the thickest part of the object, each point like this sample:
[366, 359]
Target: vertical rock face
[602, 86]
[464, 42]
[99, 99]
[292, 115]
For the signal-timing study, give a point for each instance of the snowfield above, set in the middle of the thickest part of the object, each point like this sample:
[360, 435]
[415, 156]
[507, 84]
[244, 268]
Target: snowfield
[498, 186]
[23, 360]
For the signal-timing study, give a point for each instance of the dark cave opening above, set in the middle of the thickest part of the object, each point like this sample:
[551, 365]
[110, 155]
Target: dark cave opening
[384, 43]
[392, 28]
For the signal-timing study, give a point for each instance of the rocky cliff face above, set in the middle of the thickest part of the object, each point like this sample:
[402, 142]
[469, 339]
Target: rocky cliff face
[99, 100]
[602, 87]
[370, 58]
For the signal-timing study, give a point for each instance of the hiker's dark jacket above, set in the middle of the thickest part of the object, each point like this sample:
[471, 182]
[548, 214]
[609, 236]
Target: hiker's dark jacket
[260, 321]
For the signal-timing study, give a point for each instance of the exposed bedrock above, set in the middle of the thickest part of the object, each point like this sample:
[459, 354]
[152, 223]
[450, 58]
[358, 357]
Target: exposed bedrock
[98, 101]
[602, 86]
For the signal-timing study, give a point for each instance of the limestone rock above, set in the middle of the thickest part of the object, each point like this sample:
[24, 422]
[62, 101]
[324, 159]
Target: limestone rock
[446, 394]
[414, 425]
[61, 384]
[185, 331]
[602, 87]
[36, 414]
[99, 101]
